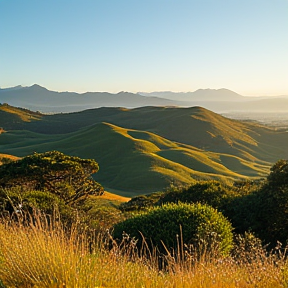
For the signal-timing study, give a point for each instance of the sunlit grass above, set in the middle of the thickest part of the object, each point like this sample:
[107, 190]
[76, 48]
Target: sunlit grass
[39, 255]
[24, 115]
[161, 155]
[114, 197]
[6, 157]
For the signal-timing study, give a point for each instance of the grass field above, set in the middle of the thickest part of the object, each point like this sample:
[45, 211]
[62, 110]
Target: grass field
[114, 197]
[133, 165]
[41, 255]
[147, 149]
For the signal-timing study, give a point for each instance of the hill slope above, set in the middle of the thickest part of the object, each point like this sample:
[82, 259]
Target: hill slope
[146, 149]
[194, 126]
[132, 161]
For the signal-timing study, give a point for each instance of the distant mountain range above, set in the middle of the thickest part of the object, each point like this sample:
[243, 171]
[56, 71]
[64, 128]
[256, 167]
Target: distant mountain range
[146, 149]
[39, 98]
[207, 95]
[222, 100]
[199, 95]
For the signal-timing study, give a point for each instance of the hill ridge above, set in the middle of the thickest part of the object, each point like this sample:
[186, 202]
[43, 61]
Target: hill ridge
[146, 149]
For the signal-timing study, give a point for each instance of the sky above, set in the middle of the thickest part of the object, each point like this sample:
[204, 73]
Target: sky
[145, 45]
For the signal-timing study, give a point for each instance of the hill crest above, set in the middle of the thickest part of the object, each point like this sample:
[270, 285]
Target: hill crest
[148, 147]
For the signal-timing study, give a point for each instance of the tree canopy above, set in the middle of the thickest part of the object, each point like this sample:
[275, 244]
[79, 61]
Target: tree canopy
[67, 176]
[278, 174]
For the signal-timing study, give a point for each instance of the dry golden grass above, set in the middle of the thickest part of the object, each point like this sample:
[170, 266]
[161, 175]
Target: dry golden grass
[11, 157]
[39, 256]
[5, 157]
[112, 196]
[23, 114]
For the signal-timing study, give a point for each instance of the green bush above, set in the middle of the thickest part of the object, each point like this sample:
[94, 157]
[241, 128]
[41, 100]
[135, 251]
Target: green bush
[278, 176]
[14, 201]
[212, 193]
[90, 213]
[197, 221]
[263, 211]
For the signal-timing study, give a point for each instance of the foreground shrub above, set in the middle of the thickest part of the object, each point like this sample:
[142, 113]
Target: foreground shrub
[92, 212]
[16, 204]
[193, 222]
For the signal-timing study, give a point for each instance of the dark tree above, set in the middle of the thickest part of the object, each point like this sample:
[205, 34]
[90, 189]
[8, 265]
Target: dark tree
[278, 176]
[66, 176]
[264, 211]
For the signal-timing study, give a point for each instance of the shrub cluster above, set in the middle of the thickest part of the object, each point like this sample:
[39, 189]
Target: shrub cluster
[53, 180]
[212, 193]
[191, 222]
[260, 206]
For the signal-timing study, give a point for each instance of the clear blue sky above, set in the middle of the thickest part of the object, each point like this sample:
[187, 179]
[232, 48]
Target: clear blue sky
[145, 45]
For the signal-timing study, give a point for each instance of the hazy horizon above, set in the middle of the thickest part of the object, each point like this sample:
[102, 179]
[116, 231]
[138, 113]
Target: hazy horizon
[148, 46]
[139, 92]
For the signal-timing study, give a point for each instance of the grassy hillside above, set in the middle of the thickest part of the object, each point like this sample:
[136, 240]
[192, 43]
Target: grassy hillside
[131, 161]
[15, 118]
[147, 149]
[194, 126]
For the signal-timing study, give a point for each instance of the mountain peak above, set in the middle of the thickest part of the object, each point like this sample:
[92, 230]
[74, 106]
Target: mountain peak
[222, 94]
[37, 87]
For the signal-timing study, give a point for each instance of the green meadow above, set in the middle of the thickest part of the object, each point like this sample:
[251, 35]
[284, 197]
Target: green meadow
[148, 149]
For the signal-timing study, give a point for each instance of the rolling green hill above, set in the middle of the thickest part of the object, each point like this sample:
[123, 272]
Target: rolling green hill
[194, 126]
[15, 118]
[147, 149]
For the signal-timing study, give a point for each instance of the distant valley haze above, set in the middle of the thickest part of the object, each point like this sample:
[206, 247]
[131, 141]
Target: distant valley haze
[38, 98]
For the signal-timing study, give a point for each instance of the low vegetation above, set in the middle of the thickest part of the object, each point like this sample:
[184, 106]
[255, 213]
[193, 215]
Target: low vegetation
[43, 255]
[60, 229]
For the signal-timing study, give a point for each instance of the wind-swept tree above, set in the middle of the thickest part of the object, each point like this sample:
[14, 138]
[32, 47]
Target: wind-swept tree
[67, 176]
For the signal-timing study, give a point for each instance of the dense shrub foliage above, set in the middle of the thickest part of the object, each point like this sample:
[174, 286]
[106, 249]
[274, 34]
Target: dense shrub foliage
[192, 221]
[16, 203]
[67, 176]
[59, 186]
[53, 181]
[272, 202]
[141, 202]
[278, 176]
[212, 193]
[264, 211]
